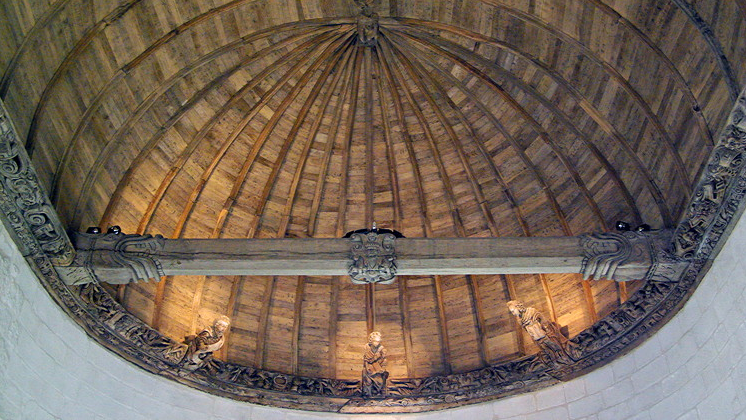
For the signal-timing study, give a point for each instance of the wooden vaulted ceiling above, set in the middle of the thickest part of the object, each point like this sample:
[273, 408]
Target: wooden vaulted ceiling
[251, 118]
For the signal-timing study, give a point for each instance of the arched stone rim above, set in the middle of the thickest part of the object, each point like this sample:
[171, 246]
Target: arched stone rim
[699, 236]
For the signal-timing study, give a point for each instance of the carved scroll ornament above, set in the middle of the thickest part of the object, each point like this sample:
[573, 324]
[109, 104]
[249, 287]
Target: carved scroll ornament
[29, 213]
[373, 258]
[114, 258]
[623, 256]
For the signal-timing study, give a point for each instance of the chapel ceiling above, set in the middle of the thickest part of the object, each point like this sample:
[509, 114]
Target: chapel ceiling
[271, 119]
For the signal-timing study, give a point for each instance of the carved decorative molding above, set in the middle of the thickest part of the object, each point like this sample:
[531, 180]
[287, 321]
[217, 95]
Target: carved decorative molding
[631, 255]
[114, 258]
[28, 213]
[373, 258]
[718, 195]
[697, 238]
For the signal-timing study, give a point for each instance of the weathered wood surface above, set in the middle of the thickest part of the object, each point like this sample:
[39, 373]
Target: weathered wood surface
[471, 118]
[121, 258]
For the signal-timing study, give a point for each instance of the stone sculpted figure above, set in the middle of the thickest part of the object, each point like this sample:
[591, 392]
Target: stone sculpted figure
[367, 25]
[374, 367]
[555, 348]
[200, 347]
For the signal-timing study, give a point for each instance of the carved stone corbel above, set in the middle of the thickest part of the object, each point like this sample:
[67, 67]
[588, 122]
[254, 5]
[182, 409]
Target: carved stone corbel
[114, 258]
[623, 256]
[373, 258]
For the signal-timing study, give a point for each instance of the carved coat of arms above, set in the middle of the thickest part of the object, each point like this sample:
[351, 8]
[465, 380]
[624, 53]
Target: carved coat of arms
[373, 258]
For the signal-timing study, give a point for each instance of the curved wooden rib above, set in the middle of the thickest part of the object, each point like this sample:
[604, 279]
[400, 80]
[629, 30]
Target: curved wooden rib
[119, 75]
[68, 62]
[449, 190]
[300, 289]
[346, 144]
[417, 109]
[584, 103]
[260, 354]
[228, 142]
[231, 310]
[566, 121]
[331, 139]
[368, 137]
[473, 286]
[616, 17]
[388, 78]
[550, 301]
[653, 187]
[202, 133]
[161, 286]
[40, 23]
[391, 162]
[347, 71]
[269, 127]
[417, 75]
[109, 149]
[522, 112]
[546, 189]
[407, 140]
[297, 312]
[313, 132]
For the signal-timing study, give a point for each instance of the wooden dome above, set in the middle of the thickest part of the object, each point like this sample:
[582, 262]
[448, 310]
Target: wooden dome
[271, 119]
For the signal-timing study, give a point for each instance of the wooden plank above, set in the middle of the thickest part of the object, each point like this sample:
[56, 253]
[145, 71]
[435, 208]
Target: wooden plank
[260, 354]
[339, 45]
[306, 256]
[294, 348]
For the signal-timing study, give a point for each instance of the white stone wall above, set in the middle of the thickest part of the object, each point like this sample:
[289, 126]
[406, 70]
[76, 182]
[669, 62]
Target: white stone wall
[693, 368]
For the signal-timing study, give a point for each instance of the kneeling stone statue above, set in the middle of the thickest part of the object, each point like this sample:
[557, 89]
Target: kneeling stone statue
[200, 347]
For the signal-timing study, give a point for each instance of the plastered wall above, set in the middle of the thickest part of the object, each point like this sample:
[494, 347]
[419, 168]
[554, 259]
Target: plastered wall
[693, 368]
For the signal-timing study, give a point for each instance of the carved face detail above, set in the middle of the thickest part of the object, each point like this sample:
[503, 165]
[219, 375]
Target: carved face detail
[515, 307]
[374, 338]
[221, 324]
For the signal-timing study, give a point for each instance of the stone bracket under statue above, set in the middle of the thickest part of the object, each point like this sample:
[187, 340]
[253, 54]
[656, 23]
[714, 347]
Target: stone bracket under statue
[371, 257]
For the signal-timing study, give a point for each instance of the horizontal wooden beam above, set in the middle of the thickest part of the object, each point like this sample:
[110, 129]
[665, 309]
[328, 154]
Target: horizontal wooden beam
[119, 258]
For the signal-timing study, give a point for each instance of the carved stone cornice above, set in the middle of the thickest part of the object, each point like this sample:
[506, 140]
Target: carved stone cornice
[114, 258]
[631, 255]
[718, 196]
[29, 215]
[373, 258]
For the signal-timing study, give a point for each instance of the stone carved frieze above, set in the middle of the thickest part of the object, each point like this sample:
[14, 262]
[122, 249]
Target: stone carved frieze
[28, 212]
[114, 258]
[718, 195]
[373, 258]
[631, 255]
